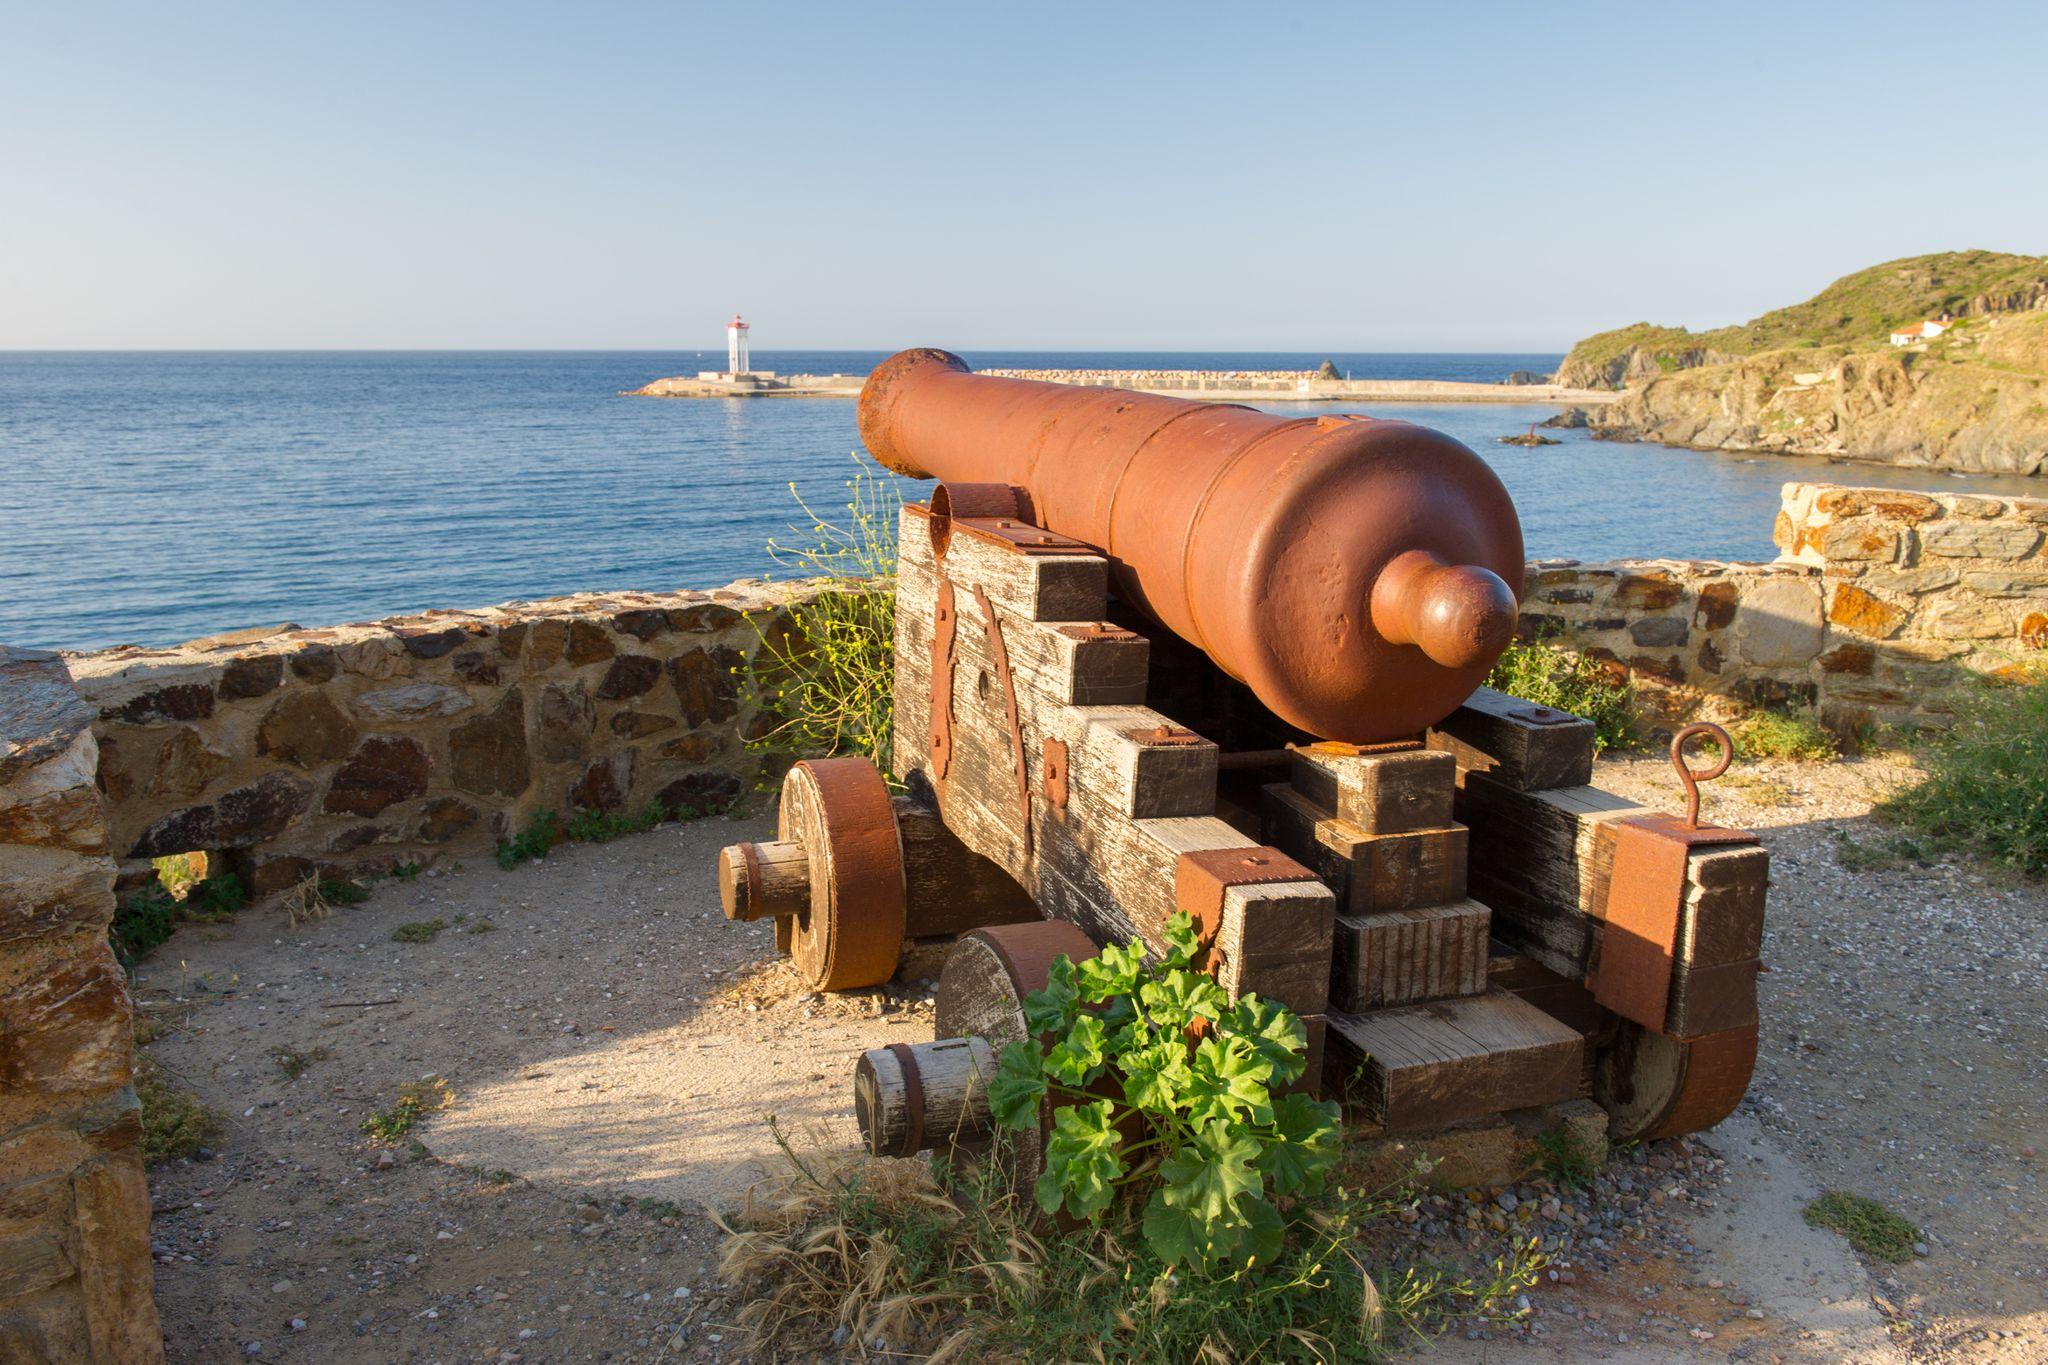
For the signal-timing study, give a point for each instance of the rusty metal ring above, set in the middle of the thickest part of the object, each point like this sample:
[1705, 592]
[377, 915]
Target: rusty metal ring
[1699, 729]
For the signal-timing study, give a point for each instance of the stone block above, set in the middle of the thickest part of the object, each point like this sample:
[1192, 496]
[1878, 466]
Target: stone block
[261, 810]
[1980, 539]
[1778, 624]
[384, 770]
[563, 721]
[64, 1031]
[690, 748]
[163, 705]
[1861, 539]
[252, 675]
[640, 724]
[52, 892]
[316, 663]
[1970, 618]
[411, 702]
[306, 728]
[630, 675]
[642, 623]
[703, 619]
[488, 755]
[473, 666]
[1658, 632]
[433, 643]
[1864, 613]
[1652, 591]
[185, 766]
[589, 643]
[706, 683]
[1715, 606]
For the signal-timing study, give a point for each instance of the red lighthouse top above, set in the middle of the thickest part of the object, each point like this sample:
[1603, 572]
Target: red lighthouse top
[737, 322]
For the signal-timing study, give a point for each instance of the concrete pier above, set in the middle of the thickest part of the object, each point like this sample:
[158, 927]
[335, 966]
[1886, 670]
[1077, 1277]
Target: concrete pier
[1219, 386]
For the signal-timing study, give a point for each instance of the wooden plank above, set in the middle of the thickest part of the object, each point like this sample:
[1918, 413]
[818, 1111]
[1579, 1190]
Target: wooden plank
[1517, 743]
[1425, 1066]
[1369, 872]
[1138, 778]
[1275, 942]
[1404, 957]
[1390, 793]
[949, 888]
[1062, 587]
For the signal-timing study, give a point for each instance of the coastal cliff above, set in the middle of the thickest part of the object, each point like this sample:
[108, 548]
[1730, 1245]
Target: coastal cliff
[1975, 401]
[1822, 377]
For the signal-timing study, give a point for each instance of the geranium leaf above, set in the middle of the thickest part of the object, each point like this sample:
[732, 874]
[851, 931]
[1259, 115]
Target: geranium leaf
[1180, 997]
[1076, 1058]
[1183, 941]
[1304, 1145]
[1019, 1085]
[1228, 1079]
[1274, 1031]
[1052, 1009]
[1111, 974]
[1262, 1231]
[1208, 1174]
[1155, 1076]
[1081, 1161]
[1177, 1234]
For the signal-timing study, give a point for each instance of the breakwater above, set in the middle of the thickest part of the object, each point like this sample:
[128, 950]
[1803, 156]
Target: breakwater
[1220, 386]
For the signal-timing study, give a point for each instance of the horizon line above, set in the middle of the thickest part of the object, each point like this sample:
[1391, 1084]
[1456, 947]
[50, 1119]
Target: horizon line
[713, 350]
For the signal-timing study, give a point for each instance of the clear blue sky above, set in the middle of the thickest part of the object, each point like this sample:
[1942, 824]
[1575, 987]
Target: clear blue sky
[1293, 176]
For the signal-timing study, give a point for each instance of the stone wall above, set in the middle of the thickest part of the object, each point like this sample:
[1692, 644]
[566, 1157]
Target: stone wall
[74, 1214]
[285, 753]
[1878, 601]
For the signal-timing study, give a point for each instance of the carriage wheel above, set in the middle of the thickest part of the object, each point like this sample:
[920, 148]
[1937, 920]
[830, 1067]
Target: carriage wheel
[1658, 1087]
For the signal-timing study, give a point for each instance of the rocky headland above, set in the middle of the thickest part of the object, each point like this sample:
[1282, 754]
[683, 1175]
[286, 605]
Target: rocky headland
[1823, 377]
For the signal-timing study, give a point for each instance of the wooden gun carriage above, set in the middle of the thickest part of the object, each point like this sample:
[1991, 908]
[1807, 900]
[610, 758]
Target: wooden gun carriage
[1414, 864]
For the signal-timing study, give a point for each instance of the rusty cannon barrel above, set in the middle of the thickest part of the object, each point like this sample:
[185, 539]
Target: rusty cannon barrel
[1359, 575]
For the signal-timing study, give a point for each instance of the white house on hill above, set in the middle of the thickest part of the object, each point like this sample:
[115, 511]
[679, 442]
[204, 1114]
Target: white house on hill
[1921, 331]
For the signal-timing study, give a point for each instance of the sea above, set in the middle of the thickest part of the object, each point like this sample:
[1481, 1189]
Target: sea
[154, 497]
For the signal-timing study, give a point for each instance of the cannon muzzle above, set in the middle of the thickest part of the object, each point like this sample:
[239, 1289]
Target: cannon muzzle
[1359, 575]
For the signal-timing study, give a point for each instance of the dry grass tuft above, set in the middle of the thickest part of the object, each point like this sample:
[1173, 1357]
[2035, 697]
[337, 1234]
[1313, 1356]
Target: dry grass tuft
[304, 904]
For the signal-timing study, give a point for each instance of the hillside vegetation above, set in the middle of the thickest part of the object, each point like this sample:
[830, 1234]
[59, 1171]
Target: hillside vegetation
[1856, 311]
[1821, 377]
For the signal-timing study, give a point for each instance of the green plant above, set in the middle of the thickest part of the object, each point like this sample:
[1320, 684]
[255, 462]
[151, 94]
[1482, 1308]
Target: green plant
[1870, 1227]
[1190, 1111]
[601, 827]
[1565, 1159]
[141, 924]
[1882, 855]
[824, 671]
[482, 926]
[406, 872]
[342, 891]
[1987, 775]
[947, 1261]
[415, 1100]
[542, 833]
[174, 1122]
[418, 931]
[1784, 734]
[1549, 674]
[215, 898]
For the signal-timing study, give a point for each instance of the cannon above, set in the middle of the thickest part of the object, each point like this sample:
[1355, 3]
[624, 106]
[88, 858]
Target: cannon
[1157, 656]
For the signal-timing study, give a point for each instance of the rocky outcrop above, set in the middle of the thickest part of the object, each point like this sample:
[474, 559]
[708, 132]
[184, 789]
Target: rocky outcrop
[1979, 404]
[74, 1212]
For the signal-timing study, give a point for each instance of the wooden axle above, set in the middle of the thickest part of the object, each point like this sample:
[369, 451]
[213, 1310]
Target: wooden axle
[853, 873]
[917, 1097]
[765, 880]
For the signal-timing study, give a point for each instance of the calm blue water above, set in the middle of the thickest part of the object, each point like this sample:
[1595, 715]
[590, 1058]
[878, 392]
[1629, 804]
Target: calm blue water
[155, 497]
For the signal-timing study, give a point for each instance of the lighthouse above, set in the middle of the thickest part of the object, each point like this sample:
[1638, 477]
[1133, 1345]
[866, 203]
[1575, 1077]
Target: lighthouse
[736, 345]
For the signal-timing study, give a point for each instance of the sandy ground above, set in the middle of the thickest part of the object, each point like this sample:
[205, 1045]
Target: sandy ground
[613, 1048]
